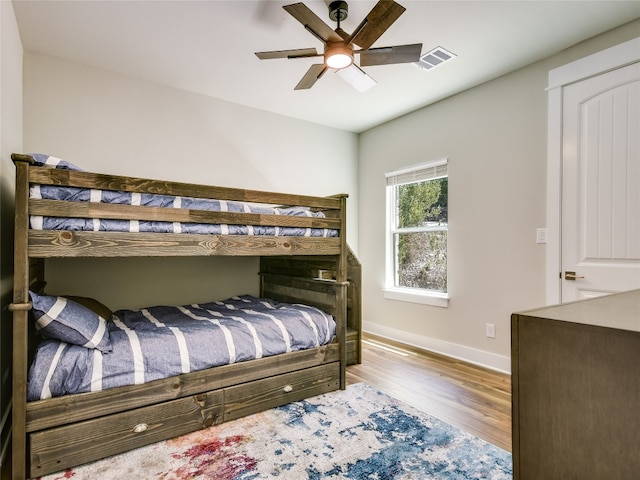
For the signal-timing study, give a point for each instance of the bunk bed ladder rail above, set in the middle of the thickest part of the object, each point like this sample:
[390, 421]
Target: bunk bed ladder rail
[342, 292]
[20, 308]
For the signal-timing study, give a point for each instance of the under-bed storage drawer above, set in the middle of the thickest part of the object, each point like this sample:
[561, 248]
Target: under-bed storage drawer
[261, 395]
[57, 448]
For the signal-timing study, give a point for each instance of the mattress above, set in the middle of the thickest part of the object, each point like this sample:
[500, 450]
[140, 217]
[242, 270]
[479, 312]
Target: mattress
[162, 341]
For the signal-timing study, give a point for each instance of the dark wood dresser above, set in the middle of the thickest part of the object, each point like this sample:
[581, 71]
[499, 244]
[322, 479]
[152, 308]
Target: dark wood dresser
[576, 390]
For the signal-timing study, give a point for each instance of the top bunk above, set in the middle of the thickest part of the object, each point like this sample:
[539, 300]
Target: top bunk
[66, 212]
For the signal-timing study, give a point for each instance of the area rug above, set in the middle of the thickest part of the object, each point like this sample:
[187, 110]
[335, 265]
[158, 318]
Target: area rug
[358, 433]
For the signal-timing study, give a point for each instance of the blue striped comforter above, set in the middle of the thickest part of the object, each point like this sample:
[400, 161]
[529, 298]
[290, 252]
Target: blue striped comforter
[74, 194]
[163, 341]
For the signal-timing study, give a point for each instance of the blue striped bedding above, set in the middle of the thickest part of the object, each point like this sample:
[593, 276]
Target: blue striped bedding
[74, 194]
[163, 341]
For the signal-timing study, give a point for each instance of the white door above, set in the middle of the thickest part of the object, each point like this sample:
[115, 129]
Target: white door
[600, 213]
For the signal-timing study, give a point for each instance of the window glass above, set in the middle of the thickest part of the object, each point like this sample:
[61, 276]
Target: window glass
[418, 201]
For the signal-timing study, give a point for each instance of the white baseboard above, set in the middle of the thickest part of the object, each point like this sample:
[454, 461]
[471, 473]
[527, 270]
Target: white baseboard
[490, 360]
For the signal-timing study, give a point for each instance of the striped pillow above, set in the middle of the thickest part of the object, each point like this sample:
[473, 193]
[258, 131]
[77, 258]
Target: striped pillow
[68, 321]
[43, 160]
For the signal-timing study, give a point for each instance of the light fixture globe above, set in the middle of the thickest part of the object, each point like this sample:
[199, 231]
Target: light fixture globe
[338, 56]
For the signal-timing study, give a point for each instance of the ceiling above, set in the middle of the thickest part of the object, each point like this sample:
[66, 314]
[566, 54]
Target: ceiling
[208, 47]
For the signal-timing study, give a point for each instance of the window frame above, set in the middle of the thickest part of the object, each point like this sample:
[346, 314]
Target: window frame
[412, 174]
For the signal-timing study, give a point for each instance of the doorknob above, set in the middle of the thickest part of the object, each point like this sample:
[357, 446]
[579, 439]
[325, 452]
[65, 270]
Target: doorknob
[572, 276]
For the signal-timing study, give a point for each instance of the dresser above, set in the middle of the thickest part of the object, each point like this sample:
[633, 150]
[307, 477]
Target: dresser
[576, 390]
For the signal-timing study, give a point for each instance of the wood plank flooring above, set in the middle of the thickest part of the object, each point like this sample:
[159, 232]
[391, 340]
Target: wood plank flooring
[474, 399]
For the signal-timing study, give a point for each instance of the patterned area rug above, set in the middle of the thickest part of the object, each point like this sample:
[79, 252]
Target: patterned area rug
[359, 433]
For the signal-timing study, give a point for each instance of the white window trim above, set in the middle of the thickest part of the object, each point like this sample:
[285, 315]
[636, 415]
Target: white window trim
[404, 294]
[416, 295]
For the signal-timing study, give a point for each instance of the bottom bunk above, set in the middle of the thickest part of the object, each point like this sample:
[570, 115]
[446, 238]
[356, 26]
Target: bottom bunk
[69, 430]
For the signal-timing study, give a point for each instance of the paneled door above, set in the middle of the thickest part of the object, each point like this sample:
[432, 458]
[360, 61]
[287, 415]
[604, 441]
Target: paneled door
[600, 211]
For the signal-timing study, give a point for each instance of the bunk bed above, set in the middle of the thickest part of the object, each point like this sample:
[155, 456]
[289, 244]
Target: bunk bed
[304, 260]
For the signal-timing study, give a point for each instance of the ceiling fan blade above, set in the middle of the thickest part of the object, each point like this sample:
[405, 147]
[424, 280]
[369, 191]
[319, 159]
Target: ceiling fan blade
[357, 78]
[376, 23]
[390, 55]
[312, 75]
[297, 53]
[312, 22]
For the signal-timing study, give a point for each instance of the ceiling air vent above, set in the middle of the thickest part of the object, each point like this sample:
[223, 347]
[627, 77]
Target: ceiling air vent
[434, 58]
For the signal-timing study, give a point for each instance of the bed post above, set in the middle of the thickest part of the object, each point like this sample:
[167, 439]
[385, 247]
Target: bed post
[341, 292]
[20, 307]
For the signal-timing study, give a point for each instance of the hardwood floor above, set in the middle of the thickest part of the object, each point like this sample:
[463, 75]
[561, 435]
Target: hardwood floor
[474, 399]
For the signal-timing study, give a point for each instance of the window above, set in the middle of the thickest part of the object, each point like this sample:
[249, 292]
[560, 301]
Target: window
[417, 222]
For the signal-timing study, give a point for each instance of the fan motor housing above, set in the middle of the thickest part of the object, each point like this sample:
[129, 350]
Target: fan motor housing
[338, 11]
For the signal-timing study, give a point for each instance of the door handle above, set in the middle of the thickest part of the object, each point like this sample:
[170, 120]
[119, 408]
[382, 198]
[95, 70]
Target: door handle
[572, 276]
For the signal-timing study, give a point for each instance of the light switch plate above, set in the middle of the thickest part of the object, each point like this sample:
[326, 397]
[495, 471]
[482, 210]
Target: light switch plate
[541, 235]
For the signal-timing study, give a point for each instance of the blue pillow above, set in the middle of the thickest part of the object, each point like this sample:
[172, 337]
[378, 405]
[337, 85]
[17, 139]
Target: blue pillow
[42, 160]
[68, 321]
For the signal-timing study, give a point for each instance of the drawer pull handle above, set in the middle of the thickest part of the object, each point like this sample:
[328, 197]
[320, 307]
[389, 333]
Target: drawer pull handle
[287, 388]
[141, 427]
[209, 420]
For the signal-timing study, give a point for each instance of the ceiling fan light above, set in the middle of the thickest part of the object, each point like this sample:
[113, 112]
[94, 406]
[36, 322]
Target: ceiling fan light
[338, 57]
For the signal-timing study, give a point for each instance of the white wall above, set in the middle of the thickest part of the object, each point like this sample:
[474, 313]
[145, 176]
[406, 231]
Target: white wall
[10, 140]
[495, 138]
[110, 123]
[10, 132]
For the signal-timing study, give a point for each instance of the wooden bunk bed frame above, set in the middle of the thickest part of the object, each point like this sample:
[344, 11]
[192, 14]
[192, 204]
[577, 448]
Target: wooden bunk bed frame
[54, 434]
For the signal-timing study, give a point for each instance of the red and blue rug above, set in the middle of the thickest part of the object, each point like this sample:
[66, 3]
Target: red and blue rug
[358, 433]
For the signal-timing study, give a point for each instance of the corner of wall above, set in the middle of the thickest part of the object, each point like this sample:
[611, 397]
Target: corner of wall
[11, 56]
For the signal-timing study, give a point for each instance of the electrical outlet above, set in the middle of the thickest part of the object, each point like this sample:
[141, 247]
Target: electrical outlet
[491, 330]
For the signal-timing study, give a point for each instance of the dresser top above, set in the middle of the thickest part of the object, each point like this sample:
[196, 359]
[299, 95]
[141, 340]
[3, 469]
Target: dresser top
[620, 310]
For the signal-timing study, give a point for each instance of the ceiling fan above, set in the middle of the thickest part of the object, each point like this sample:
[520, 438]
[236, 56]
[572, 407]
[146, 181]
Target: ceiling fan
[340, 47]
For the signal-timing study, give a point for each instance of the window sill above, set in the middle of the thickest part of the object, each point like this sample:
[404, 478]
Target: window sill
[417, 296]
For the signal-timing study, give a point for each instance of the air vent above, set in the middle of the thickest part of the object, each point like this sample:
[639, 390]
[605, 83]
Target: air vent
[434, 58]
